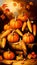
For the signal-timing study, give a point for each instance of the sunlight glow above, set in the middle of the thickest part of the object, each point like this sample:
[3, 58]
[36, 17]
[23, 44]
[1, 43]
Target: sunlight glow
[13, 6]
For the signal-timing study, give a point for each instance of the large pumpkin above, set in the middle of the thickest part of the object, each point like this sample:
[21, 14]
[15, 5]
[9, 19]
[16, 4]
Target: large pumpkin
[15, 23]
[28, 37]
[8, 55]
[13, 37]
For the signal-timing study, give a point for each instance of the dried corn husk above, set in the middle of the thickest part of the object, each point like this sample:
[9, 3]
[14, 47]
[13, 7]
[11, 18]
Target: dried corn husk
[19, 32]
[5, 33]
[3, 42]
[24, 26]
[23, 47]
[29, 26]
[20, 46]
[34, 29]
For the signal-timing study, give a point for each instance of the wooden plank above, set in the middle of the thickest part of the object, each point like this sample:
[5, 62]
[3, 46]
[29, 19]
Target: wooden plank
[21, 62]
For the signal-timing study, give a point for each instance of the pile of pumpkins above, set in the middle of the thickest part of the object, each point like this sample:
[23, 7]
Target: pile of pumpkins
[18, 28]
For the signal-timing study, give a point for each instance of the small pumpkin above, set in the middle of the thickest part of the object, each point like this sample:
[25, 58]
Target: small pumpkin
[8, 55]
[7, 27]
[28, 37]
[23, 17]
[15, 24]
[13, 37]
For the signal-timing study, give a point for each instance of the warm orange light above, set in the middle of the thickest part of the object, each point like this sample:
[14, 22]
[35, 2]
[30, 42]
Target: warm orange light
[13, 6]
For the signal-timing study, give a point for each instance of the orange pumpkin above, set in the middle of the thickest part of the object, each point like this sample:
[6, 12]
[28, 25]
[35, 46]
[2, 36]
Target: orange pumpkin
[7, 27]
[28, 37]
[15, 24]
[8, 55]
[13, 37]
[23, 18]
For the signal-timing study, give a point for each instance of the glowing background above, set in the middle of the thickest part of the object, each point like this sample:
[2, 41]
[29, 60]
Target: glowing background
[2, 1]
[11, 7]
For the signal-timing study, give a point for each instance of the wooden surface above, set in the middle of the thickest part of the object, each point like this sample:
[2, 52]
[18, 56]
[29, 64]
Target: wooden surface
[21, 62]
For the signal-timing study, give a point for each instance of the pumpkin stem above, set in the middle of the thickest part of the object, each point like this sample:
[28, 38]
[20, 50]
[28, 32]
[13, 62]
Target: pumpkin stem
[13, 32]
[15, 18]
[28, 20]
[20, 39]
[8, 49]
[8, 23]
[28, 34]
[22, 13]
